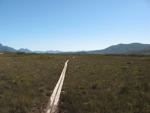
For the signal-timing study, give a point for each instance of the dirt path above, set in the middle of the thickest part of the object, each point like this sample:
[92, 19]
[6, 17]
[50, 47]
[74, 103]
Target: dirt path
[54, 99]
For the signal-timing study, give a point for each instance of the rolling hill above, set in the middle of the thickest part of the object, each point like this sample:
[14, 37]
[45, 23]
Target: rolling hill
[133, 48]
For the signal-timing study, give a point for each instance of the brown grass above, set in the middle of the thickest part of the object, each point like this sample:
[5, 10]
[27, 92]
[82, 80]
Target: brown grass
[26, 81]
[107, 84]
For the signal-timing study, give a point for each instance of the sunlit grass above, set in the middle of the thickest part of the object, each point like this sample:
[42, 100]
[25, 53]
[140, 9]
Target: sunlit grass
[107, 84]
[26, 81]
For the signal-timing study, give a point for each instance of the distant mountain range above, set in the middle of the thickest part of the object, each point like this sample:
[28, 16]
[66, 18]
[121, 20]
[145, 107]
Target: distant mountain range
[6, 49]
[133, 48]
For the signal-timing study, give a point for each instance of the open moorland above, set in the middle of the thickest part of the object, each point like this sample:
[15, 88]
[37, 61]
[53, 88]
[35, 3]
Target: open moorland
[107, 84]
[27, 81]
[93, 83]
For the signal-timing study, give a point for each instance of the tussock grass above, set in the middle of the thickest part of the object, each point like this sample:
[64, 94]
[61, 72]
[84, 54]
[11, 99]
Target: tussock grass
[93, 83]
[26, 81]
[107, 84]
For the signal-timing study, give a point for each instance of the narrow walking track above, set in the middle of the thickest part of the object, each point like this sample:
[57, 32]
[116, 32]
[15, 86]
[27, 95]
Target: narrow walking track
[54, 99]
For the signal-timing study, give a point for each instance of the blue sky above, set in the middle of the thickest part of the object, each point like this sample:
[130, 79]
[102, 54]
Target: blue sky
[71, 25]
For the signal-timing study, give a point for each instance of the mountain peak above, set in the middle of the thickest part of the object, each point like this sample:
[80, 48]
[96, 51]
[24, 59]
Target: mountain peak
[25, 50]
[6, 49]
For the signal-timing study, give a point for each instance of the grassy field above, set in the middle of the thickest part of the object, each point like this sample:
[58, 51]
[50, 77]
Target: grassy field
[107, 84]
[93, 83]
[26, 81]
